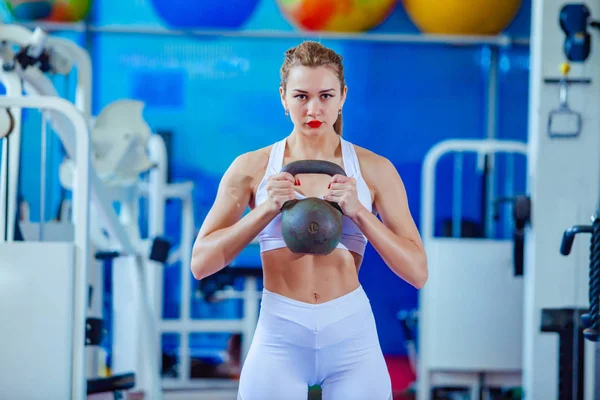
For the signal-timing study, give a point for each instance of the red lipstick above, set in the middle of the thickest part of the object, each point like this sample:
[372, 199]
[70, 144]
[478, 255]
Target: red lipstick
[314, 123]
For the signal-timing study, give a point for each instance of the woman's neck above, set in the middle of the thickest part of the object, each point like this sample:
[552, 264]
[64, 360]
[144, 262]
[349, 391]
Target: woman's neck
[313, 147]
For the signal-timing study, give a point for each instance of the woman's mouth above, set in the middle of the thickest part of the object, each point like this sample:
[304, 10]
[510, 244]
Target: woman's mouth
[314, 123]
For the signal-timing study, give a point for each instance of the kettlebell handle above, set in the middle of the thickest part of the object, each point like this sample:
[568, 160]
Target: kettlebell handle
[313, 167]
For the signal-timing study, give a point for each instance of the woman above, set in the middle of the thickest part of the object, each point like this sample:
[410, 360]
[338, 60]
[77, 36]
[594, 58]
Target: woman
[316, 325]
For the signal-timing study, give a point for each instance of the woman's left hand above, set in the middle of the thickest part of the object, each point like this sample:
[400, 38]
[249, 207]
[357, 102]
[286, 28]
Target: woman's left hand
[342, 190]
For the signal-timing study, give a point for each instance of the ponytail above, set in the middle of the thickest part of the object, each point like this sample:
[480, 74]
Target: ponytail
[337, 126]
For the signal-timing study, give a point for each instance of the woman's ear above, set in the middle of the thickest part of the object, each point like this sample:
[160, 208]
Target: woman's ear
[343, 99]
[282, 94]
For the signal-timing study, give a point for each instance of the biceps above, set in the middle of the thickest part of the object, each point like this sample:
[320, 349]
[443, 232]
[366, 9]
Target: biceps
[395, 213]
[229, 206]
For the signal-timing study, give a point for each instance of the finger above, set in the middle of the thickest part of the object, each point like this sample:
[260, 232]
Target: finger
[291, 197]
[333, 199]
[280, 184]
[282, 192]
[333, 196]
[281, 176]
[337, 178]
[338, 192]
[284, 199]
[339, 186]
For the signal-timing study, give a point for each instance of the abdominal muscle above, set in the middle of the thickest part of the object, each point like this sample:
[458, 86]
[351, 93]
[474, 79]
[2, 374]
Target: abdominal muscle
[311, 278]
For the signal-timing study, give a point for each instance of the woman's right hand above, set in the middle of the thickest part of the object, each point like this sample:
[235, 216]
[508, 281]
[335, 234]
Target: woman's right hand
[280, 188]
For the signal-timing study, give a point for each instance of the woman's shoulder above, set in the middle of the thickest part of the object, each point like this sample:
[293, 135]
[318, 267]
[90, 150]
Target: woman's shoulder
[370, 161]
[253, 165]
[253, 162]
[375, 169]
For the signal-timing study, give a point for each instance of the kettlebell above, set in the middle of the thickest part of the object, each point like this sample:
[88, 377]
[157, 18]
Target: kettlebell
[312, 225]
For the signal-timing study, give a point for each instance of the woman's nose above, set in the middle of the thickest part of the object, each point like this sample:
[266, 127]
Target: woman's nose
[312, 108]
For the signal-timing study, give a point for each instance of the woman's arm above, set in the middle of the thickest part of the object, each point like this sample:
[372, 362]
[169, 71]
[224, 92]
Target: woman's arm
[395, 237]
[223, 234]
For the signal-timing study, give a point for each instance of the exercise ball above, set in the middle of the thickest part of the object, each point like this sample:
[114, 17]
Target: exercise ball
[28, 10]
[215, 14]
[336, 15]
[70, 10]
[462, 17]
[48, 10]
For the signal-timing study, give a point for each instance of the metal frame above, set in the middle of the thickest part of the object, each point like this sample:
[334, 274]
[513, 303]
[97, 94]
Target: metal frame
[497, 40]
[463, 374]
[9, 160]
[81, 193]
[481, 147]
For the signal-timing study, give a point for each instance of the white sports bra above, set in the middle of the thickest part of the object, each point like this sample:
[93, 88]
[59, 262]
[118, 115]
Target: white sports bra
[352, 238]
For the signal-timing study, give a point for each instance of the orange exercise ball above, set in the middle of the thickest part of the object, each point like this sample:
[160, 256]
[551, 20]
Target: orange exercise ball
[462, 17]
[336, 15]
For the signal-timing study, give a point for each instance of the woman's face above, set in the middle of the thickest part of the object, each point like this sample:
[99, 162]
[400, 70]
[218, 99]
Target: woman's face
[313, 98]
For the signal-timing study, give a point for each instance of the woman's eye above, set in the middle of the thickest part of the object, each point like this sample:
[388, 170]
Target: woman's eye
[303, 96]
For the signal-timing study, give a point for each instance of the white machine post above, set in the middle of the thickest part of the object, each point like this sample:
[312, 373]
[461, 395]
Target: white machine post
[157, 153]
[564, 184]
[159, 191]
[470, 310]
[9, 160]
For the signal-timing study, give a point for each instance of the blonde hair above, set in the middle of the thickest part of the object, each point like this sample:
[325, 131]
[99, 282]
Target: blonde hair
[314, 54]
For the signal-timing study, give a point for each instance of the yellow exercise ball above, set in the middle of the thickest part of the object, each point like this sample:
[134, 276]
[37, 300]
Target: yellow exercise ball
[462, 17]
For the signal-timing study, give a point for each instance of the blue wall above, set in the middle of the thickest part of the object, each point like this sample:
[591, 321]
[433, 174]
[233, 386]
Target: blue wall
[219, 98]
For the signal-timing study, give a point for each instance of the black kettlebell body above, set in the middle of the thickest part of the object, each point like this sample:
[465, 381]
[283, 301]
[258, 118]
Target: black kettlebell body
[312, 225]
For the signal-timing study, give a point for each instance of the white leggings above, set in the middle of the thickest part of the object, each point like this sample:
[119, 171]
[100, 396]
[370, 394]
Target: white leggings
[297, 345]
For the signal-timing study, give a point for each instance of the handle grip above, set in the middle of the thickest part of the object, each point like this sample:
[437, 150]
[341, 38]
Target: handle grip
[569, 237]
[313, 167]
[519, 252]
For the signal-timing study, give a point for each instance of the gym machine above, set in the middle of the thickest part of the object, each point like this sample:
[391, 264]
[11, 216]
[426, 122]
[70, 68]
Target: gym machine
[59, 289]
[107, 234]
[579, 324]
[470, 311]
[563, 181]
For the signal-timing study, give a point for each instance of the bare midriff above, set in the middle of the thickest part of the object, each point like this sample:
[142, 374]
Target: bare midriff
[311, 278]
